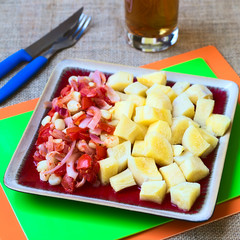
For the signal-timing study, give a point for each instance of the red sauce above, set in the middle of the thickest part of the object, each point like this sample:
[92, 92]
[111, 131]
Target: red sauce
[28, 175]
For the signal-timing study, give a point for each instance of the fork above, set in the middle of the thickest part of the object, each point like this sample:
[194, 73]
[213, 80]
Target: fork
[69, 39]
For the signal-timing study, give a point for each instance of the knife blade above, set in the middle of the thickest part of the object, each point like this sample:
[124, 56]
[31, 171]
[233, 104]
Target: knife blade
[46, 41]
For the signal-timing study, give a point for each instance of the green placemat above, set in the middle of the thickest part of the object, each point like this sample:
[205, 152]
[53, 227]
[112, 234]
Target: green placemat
[55, 219]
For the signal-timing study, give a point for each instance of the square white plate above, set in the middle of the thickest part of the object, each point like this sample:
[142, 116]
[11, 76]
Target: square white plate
[24, 149]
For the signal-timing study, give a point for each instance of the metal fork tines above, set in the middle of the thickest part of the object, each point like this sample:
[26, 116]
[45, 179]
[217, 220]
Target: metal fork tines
[71, 37]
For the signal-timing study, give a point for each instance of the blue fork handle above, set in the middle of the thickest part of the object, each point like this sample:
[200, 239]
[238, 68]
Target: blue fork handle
[22, 77]
[13, 60]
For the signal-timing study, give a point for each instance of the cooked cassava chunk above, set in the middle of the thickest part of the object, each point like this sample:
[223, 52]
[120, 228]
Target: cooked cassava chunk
[194, 142]
[120, 80]
[148, 80]
[143, 169]
[153, 191]
[194, 169]
[122, 180]
[172, 174]
[218, 124]
[185, 194]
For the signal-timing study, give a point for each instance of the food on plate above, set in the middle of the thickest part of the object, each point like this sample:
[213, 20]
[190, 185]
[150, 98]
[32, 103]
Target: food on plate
[177, 150]
[122, 180]
[120, 80]
[179, 126]
[185, 194]
[180, 87]
[121, 153]
[198, 91]
[108, 168]
[136, 88]
[182, 106]
[156, 77]
[217, 124]
[194, 169]
[194, 142]
[120, 132]
[204, 109]
[172, 174]
[143, 169]
[153, 191]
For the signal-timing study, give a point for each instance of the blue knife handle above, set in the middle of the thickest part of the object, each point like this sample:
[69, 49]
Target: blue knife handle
[13, 60]
[22, 77]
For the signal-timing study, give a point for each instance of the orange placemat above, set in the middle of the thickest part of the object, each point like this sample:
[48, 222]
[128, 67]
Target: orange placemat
[223, 70]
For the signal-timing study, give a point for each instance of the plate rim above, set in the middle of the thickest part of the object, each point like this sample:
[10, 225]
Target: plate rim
[206, 211]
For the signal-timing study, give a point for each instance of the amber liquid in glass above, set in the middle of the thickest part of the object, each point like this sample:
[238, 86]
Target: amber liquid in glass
[151, 18]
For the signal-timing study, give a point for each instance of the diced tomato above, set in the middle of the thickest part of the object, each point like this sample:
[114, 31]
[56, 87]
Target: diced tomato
[101, 152]
[51, 112]
[65, 91]
[61, 171]
[79, 119]
[86, 102]
[84, 162]
[77, 133]
[68, 183]
[106, 127]
[43, 134]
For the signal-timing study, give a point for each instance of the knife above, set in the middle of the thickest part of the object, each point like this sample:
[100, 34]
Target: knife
[29, 53]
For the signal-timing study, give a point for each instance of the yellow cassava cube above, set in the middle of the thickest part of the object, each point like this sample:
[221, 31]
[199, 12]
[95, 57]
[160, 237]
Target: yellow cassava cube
[146, 115]
[122, 180]
[123, 107]
[159, 100]
[148, 80]
[165, 115]
[182, 106]
[204, 109]
[181, 158]
[197, 91]
[136, 99]
[161, 127]
[172, 175]
[194, 169]
[179, 126]
[212, 140]
[127, 129]
[153, 191]
[108, 168]
[185, 194]
[120, 80]
[123, 96]
[177, 150]
[180, 87]
[142, 131]
[159, 148]
[157, 88]
[143, 169]
[136, 88]
[194, 142]
[120, 152]
[138, 149]
[218, 124]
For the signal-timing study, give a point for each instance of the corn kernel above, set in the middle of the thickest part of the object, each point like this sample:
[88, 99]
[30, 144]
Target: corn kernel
[42, 166]
[46, 120]
[76, 96]
[73, 106]
[54, 179]
[59, 124]
[106, 114]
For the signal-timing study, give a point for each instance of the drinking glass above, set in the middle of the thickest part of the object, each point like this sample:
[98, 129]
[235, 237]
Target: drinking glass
[151, 24]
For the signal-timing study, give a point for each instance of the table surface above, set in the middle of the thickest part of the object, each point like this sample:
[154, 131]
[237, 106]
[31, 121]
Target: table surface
[201, 23]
